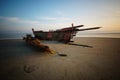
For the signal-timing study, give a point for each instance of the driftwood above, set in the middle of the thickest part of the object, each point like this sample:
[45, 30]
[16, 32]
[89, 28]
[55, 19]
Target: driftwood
[37, 43]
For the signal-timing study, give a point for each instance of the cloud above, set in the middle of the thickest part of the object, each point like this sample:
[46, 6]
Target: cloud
[60, 13]
[118, 13]
[48, 18]
[43, 23]
[64, 19]
[30, 22]
[17, 20]
[55, 18]
[12, 19]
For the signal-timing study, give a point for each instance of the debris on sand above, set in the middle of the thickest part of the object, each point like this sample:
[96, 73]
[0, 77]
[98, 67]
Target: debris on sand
[37, 43]
[62, 54]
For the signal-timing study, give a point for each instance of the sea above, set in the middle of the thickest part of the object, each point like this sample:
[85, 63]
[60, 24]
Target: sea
[13, 35]
[20, 35]
[103, 35]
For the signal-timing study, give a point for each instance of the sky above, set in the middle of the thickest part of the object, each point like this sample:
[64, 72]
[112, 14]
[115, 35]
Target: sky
[23, 15]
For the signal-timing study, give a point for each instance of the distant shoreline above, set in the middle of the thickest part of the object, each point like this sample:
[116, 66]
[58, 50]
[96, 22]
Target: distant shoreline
[79, 34]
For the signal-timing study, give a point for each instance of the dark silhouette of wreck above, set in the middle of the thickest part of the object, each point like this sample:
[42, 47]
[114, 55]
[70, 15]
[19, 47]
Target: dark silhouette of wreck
[63, 35]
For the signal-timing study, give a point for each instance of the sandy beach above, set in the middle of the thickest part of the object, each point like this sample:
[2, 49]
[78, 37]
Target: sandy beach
[87, 59]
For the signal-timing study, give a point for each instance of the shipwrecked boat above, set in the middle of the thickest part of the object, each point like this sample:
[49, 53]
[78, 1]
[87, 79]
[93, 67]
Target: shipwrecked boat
[63, 35]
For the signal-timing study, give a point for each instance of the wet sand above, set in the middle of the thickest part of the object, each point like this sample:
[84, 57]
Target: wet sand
[87, 59]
